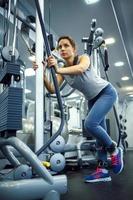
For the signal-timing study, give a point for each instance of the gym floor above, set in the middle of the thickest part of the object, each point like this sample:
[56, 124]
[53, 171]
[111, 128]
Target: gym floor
[120, 188]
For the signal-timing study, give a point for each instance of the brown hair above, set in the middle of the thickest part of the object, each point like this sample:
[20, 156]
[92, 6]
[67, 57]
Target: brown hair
[72, 42]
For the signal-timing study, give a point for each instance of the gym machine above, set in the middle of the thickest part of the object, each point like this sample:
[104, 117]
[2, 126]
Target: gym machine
[30, 180]
[52, 153]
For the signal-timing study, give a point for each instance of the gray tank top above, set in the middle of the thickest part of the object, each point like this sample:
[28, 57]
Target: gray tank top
[88, 83]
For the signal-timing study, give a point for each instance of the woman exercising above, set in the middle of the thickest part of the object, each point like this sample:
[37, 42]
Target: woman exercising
[101, 96]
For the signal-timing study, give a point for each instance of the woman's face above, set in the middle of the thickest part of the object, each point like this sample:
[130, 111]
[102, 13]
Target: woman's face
[65, 48]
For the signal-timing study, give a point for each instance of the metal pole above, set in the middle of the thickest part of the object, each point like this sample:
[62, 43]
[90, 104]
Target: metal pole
[15, 29]
[8, 18]
[122, 39]
[39, 102]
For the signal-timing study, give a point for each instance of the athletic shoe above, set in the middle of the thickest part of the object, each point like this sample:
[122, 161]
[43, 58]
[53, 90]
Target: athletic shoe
[117, 160]
[100, 175]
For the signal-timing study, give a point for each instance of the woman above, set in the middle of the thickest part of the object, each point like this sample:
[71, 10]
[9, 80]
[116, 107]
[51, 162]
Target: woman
[101, 96]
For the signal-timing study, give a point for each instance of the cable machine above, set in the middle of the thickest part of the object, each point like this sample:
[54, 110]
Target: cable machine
[20, 179]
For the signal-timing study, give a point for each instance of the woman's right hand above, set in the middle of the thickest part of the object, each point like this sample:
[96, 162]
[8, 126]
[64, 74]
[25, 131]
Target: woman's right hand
[34, 65]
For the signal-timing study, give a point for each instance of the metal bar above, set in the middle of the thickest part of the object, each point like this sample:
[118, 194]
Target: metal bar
[8, 17]
[10, 156]
[29, 156]
[39, 93]
[14, 28]
[122, 39]
[30, 189]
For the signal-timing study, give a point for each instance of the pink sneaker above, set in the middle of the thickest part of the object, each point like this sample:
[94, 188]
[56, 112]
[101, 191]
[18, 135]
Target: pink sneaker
[100, 175]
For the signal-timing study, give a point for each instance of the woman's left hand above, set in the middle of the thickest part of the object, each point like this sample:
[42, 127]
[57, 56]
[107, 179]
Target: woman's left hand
[52, 62]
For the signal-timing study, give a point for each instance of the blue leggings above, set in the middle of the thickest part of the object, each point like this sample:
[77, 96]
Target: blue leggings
[95, 123]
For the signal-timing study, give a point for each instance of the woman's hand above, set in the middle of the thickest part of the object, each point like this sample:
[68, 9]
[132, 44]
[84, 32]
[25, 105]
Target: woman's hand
[52, 62]
[35, 65]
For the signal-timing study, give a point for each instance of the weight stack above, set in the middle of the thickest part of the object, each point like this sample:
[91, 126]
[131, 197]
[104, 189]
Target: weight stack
[11, 109]
[9, 70]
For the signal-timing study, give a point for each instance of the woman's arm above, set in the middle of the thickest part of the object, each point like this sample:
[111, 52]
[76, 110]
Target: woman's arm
[84, 63]
[50, 87]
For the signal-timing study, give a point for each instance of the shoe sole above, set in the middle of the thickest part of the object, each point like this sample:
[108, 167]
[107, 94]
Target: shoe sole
[99, 180]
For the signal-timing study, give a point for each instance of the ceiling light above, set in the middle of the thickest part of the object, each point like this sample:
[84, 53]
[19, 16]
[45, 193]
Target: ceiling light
[27, 91]
[29, 72]
[119, 64]
[130, 95]
[88, 2]
[109, 40]
[129, 88]
[124, 78]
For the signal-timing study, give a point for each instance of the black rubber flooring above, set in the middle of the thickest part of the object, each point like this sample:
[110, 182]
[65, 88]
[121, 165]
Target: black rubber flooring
[120, 188]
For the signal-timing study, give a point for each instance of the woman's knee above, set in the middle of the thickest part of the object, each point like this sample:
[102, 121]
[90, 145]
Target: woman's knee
[89, 125]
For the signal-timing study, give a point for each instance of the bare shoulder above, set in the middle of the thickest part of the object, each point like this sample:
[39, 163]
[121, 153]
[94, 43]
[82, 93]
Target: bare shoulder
[84, 56]
[84, 59]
